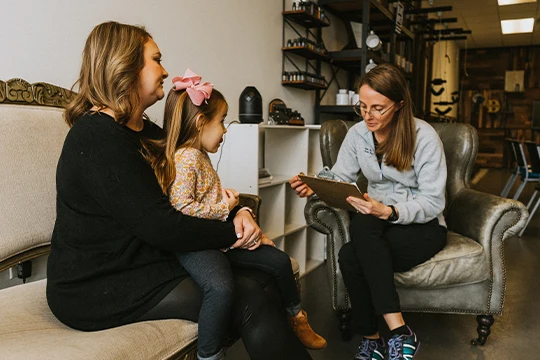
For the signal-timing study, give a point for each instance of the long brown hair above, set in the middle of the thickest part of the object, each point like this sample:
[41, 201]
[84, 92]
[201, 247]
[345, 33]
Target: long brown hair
[183, 122]
[112, 59]
[398, 147]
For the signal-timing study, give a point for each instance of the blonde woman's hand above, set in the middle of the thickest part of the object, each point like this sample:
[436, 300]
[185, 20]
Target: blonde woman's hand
[247, 230]
[301, 189]
[369, 206]
[231, 197]
[263, 241]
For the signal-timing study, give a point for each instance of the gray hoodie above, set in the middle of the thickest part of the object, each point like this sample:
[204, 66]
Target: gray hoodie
[418, 193]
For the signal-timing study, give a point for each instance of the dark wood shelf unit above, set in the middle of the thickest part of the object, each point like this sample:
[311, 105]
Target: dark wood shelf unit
[381, 19]
[305, 85]
[305, 52]
[305, 19]
[351, 60]
[337, 109]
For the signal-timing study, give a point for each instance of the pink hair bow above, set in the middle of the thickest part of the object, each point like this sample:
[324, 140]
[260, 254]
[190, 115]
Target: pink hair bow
[192, 83]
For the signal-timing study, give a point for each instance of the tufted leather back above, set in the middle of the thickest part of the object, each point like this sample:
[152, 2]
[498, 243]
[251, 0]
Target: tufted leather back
[460, 143]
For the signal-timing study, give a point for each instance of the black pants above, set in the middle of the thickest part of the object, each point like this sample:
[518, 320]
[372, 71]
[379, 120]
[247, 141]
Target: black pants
[257, 316]
[377, 250]
[211, 270]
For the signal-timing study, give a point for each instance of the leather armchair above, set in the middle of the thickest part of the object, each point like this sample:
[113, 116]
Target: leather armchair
[468, 276]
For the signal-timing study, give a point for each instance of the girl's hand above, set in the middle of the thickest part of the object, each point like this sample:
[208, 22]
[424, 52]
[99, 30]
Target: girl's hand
[302, 190]
[247, 230]
[231, 197]
[370, 206]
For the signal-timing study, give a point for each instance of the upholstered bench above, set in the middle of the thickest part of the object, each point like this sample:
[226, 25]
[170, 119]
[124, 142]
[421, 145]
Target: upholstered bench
[32, 131]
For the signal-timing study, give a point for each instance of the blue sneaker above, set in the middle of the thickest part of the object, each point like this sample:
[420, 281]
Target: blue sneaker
[403, 347]
[371, 350]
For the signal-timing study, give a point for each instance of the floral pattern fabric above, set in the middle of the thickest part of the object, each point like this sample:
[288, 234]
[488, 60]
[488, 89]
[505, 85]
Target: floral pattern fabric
[196, 190]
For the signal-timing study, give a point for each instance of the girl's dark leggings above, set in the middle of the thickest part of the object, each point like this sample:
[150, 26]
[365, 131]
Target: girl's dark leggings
[256, 314]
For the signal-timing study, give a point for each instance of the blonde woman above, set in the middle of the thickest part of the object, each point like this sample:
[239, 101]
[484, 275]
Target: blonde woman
[112, 259]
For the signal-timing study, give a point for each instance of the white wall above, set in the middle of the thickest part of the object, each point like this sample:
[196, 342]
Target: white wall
[232, 43]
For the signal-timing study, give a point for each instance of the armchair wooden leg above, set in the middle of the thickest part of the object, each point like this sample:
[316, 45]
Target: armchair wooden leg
[345, 325]
[483, 329]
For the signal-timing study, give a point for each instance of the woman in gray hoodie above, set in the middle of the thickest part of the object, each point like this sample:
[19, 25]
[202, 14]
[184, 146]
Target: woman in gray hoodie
[399, 222]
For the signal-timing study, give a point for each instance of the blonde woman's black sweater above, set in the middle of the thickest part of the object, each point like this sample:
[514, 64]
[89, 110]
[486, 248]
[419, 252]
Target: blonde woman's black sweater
[115, 234]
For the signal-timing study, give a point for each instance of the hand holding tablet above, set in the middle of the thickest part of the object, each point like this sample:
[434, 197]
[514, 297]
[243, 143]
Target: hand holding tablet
[333, 192]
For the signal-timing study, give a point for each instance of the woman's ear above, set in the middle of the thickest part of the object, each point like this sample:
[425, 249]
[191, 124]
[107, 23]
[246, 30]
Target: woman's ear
[400, 105]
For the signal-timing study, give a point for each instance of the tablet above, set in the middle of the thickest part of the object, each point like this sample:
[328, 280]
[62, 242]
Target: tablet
[333, 192]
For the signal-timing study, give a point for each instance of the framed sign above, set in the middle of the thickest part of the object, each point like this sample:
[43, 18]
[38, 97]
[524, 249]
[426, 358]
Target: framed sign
[514, 81]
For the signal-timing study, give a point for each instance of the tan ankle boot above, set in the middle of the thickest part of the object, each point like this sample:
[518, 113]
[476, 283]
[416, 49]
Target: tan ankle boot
[305, 333]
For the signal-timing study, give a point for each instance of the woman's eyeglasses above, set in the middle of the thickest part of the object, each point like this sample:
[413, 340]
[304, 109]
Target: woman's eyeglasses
[377, 114]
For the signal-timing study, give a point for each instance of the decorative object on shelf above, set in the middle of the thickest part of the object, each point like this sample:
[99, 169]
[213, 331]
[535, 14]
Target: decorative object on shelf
[373, 41]
[250, 109]
[342, 97]
[346, 97]
[493, 106]
[303, 42]
[513, 81]
[302, 57]
[264, 176]
[370, 66]
[280, 114]
[355, 99]
[301, 76]
[437, 82]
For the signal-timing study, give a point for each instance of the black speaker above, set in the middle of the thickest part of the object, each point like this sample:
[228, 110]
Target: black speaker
[250, 109]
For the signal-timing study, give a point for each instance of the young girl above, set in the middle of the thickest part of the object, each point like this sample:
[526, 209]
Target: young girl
[194, 126]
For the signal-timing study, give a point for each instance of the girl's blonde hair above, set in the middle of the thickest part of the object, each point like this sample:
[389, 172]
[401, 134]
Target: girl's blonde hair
[399, 145]
[182, 125]
[112, 60]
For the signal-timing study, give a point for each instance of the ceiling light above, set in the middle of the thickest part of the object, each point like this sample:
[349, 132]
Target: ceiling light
[517, 26]
[514, 2]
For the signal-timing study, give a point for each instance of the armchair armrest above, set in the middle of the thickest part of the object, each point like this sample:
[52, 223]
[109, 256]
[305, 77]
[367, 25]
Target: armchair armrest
[334, 223]
[489, 220]
[251, 201]
[485, 217]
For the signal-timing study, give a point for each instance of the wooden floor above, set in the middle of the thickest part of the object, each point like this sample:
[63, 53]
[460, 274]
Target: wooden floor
[515, 334]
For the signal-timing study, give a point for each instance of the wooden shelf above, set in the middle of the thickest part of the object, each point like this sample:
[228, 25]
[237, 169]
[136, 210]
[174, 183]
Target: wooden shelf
[304, 52]
[285, 151]
[351, 59]
[337, 109]
[305, 19]
[306, 85]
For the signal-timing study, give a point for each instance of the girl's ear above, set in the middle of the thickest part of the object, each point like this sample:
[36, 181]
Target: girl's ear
[400, 105]
[199, 122]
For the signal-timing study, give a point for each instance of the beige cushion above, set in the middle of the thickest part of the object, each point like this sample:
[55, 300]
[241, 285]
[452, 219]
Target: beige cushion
[462, 261]
[30, 331]
[32, 138]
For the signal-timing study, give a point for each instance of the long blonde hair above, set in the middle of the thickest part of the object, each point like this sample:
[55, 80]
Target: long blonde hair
[399, 145]
[182, 125]
[112, 59]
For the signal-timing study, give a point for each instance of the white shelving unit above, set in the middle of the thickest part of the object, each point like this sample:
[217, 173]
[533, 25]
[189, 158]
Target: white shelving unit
[285, 151]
